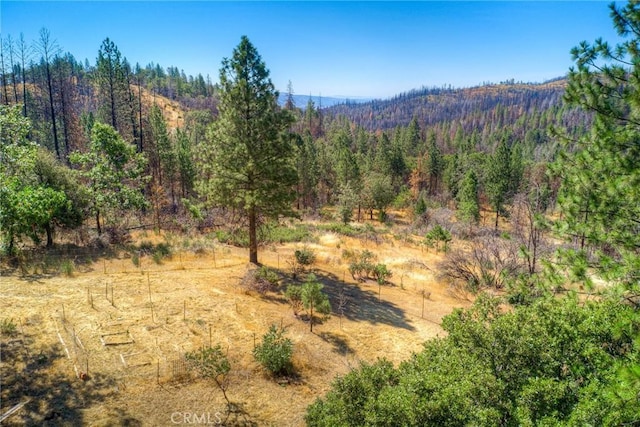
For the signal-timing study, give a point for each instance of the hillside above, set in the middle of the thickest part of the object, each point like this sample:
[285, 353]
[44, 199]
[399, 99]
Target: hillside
[471, 106]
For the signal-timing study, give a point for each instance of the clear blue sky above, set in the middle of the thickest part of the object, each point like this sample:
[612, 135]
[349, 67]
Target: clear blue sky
[369, 49]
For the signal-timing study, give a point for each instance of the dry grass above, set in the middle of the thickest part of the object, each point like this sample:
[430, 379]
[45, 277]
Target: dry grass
[132, 342]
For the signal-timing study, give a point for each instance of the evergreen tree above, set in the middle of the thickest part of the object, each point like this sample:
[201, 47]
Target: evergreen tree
[601, 180]
[248, 161]
[435, 164]
[498, 179]
[468, 204]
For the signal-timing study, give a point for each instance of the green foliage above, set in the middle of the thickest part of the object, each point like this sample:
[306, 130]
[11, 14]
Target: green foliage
[36, 191]
[211, 363]
[313, 299]
[302, 260]
[381, 273]
[352, 398]
[305, 256]
[347, 202]
[8, 327]
[248, 162]
[294, 295]
[438, 235]
[340, 228]
[420, 209]
[236, 237]
[601, 175]
[282, 233]
[67, 267]
[362, 266]
[377, 193]
[503, 176]
[114, 173]
[403, 199]
[468, 203]
[275, 353]
[550, 363]
[266, 274]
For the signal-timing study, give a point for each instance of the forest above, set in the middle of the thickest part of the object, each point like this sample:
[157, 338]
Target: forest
[538, 183]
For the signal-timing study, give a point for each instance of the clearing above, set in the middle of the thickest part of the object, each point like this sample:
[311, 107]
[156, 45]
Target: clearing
[106, 345]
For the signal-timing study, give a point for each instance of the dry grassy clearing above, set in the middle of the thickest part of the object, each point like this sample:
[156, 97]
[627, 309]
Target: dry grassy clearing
[126, 328]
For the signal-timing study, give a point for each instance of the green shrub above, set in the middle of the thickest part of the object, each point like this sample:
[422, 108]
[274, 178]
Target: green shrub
[302, 259]
[277, 233]
[436, 235]
[67, 267]
[268, 275]
[8, 328]
[145, 247]
[238, 238]
[212, 363]
[275, 353]
[381, 273]
[305, 256]
[362, 265]
[294, 295]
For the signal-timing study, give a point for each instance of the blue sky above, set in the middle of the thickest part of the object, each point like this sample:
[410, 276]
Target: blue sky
[368, 49]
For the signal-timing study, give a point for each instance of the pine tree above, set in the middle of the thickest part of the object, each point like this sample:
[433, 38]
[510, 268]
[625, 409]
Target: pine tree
[249, 160]
[601, 180]
[498, 180]
[468, 204]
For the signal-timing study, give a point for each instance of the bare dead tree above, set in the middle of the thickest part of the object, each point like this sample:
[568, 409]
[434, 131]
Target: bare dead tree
[49, 49]
[487, 264]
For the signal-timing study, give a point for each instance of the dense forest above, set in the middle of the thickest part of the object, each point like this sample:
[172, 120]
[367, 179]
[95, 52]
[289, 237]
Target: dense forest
[540, 180]
[414, 146]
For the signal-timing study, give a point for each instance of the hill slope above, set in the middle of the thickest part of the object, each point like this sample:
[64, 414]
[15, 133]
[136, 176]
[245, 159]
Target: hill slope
[472, 107]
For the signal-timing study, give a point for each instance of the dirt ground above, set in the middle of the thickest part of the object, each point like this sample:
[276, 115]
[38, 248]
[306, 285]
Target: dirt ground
[105, 346]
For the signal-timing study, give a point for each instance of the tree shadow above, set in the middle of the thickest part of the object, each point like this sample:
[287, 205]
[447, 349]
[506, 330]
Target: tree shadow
[361, 305]
[340, 344]
[34, 264]
[52, 398]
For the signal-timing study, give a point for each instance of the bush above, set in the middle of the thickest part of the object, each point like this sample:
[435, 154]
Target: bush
[67, 267]
[302, 259]
[362, 265]
[276, 233]
[275, 353]
[238, 238]
[8, 328]
[211, 363]
[294, 295]
[305, 256]
[381, 273]
[438, 235]
[261, 280]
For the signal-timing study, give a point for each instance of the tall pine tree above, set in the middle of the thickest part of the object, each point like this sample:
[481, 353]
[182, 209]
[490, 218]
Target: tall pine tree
[249, 159]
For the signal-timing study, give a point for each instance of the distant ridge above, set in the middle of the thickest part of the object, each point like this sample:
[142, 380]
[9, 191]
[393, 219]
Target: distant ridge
[324, 101]
[434, 105]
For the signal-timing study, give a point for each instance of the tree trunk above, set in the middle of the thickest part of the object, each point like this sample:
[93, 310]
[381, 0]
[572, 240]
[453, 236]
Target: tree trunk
[98, 223]
[140, 143]
[4, 76]
[497, 216]
[253, 238]
[49, 231]
[56, 144]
